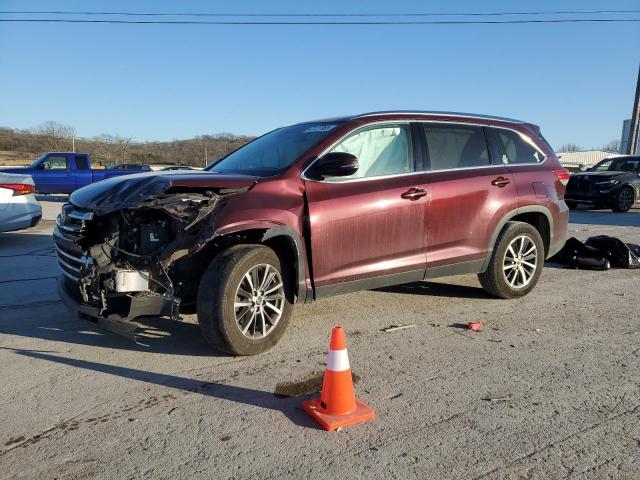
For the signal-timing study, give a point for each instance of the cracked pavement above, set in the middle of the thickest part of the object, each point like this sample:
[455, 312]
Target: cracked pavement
[550, 389]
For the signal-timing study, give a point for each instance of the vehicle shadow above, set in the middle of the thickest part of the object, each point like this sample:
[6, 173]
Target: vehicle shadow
[605, 217]
[288, 406]
[154, 335]
[436, 290]
[51, 197]
[23, 243]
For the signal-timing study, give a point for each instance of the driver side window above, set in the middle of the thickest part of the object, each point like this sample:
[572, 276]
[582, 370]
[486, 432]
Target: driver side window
[603, 167]
[382, 150]
[56, 162]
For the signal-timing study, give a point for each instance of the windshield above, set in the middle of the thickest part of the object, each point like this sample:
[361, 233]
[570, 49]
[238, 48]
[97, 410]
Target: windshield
[618, 165]
[274, 152]
[37, 160]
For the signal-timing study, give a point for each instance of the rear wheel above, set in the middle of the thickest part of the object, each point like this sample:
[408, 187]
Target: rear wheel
[624, 200]
[516, 262]
[243, 302]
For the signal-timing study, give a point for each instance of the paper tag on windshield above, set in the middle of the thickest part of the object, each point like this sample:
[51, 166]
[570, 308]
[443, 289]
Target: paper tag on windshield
[319, 128]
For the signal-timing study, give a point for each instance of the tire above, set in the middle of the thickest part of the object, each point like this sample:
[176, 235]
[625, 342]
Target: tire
[571, 205]
[224, 286]
[624, 200]
[497, 280]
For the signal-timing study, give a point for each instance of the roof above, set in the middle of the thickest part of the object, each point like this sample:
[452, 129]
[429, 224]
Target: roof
[438, 113]
[589, 158]
[346, 118]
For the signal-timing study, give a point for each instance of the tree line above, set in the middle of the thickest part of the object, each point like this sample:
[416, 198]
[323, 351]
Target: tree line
[613, 146]
[107, 149]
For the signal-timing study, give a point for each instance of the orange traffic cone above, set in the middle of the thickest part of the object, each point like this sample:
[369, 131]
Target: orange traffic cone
[337, 406]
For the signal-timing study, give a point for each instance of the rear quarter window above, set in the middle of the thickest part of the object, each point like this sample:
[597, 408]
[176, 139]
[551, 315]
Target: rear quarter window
[82, 163]
[515, 148]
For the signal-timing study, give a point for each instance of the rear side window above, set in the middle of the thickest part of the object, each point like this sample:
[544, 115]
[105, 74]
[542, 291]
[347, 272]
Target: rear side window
[455, 146]
[381, 150]
[55, 162]
[82, 162]
[516, 148]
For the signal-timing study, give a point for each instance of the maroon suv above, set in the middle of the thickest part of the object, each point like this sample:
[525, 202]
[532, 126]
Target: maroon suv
[312, 210]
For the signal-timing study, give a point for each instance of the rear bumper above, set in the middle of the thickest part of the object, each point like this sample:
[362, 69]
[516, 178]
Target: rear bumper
[20, 215]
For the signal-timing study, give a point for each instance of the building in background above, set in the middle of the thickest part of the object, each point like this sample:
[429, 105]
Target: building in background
[573, 160]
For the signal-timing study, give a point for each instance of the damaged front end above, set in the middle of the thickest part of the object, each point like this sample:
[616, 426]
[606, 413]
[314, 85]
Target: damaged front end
[139, 260]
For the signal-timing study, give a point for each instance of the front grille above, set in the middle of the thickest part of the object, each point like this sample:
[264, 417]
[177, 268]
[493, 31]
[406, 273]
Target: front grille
[585, 185]
[69, 231]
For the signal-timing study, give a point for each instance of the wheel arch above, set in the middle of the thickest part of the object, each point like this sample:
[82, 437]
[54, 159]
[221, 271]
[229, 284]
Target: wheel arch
[281, 238]
[537, 216]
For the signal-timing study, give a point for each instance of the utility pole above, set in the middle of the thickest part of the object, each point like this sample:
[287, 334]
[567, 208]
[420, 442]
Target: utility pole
[73, 144]
[205, 154]
[634, 127]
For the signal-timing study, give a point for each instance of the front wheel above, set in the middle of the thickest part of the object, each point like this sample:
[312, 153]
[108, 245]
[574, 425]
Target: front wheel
[624, 200]
[516, 262]
[244, 304]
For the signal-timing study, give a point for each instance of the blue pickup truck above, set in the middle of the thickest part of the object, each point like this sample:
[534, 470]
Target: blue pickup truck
[64, 172]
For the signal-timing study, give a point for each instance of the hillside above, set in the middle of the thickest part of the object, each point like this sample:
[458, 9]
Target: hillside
[20, 147]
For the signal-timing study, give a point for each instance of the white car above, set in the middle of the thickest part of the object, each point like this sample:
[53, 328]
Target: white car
[18, 205]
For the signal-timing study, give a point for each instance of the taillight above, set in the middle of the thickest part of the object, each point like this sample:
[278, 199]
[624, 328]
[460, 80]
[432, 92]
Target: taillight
[19, 188]
[563, 175]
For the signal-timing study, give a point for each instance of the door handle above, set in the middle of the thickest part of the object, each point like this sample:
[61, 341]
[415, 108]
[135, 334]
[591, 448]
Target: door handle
[414, 193]
[500, 182]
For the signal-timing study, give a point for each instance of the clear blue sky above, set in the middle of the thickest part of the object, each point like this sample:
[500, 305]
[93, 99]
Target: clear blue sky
[162, 82]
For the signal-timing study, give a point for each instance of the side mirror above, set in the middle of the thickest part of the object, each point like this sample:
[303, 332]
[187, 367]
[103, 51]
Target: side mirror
[334, 164]
[583, 167]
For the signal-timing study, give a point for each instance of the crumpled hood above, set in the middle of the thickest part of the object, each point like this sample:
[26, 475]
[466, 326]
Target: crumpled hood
[130, 191]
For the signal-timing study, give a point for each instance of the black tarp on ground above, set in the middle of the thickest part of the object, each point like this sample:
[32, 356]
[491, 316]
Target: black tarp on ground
[598, 253]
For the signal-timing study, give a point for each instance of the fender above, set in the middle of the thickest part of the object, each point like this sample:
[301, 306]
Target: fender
[516, 211]
[272, 230]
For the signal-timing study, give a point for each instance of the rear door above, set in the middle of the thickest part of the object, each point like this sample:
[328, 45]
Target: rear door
[468, 195]
[521, 156]
[54, 175]
[371, 224]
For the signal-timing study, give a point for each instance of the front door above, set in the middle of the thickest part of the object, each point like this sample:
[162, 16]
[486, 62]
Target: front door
[371, 224]
[53, 175]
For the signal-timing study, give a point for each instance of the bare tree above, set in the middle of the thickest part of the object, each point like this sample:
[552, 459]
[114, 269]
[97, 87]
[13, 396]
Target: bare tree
[613, 146]
[55, 136]
[570, 147]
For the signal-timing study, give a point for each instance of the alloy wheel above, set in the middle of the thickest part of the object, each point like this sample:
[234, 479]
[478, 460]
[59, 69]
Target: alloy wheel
[625, 199]
[520, 261]
[259, 301]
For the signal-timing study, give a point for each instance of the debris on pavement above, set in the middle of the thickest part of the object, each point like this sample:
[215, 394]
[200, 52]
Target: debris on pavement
[492, 398]
[394, 328]
[475, 326]
[600, 252]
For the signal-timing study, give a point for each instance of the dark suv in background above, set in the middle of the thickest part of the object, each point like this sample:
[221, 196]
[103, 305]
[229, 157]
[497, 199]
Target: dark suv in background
[312, 210]
[612, 183]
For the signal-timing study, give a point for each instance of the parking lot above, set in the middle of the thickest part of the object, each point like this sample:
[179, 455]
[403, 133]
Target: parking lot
[550, 389]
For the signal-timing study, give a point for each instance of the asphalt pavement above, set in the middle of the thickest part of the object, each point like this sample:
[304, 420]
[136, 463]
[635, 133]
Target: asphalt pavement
[550, 388]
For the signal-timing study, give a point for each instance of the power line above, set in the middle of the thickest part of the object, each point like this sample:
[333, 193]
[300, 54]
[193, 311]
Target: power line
[348, 23]
[416, 14]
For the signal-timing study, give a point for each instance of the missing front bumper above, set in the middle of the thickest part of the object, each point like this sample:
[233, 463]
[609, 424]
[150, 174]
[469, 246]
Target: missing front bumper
[120, 323]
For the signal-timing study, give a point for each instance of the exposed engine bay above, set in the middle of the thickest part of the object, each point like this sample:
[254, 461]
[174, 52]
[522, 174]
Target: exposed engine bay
[143, 259]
